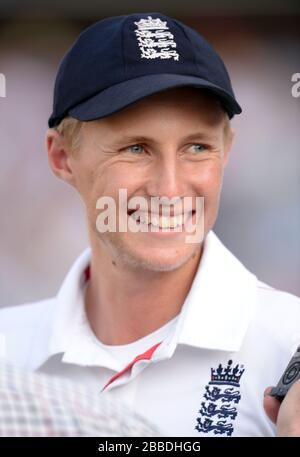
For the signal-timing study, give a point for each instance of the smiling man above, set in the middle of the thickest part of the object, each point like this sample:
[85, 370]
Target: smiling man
[180, 331]
[150, 149]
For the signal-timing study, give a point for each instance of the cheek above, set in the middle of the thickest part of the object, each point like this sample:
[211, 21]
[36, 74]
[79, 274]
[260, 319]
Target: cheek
[105, 181]
[209, 186]
[89, 186]
[93, 181]
[210, 180]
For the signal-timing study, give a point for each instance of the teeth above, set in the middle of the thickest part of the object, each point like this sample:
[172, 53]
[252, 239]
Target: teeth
[177, 220]
[154, 221]
[135, 215]
[144, 218]
[162, 221]
[170, 222]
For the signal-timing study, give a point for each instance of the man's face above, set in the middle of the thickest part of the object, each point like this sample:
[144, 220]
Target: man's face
[172, 144]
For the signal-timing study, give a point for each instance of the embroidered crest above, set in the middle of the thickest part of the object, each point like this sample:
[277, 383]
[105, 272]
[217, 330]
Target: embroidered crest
[155, 39]
[221, 396]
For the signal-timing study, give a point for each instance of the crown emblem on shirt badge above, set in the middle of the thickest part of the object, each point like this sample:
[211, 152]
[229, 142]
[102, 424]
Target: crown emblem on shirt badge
[222, 394]
[155, 40]
[227, 375]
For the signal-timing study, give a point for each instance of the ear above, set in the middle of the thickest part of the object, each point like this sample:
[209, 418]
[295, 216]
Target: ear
[228, 145]
[59, 156]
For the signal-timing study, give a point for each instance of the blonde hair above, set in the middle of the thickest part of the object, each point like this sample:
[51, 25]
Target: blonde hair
[70, 128]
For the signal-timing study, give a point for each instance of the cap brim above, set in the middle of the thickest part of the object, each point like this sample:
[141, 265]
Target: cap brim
[119, 96]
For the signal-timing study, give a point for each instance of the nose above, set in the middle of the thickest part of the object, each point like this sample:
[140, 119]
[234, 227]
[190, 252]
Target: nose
[166, 178]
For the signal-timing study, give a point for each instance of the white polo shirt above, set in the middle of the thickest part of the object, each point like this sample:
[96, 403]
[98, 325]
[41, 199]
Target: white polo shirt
[202, 374]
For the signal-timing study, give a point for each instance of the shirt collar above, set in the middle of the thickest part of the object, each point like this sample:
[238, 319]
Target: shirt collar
[72, 334]
[215, 314]
[221, 301]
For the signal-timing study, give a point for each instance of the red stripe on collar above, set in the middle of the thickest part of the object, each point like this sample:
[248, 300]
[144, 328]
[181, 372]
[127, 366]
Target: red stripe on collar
[87, 273]
[145, 356]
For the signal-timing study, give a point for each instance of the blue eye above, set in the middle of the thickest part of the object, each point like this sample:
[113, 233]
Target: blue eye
[136, 148]
[199, 147]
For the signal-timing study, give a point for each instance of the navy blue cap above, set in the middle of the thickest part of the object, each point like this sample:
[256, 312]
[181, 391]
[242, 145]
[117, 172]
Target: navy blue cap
[120, 60]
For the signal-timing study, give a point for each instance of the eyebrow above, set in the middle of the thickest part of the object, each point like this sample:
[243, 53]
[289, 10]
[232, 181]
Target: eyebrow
[144, 139]
[201, 135]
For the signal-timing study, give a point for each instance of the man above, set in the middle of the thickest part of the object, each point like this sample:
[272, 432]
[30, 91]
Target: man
[160, 314]
[35, 405]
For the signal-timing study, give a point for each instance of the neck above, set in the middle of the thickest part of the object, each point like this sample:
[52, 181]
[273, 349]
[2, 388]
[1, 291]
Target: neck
[125, 304]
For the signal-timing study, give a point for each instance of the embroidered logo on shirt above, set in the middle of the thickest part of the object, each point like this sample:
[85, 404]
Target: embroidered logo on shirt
[222, 393]
[155, 40]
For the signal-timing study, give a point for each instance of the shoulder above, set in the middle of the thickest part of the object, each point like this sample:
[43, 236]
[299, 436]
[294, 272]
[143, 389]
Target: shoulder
[278, 314]
[22, 326]
[275, 299]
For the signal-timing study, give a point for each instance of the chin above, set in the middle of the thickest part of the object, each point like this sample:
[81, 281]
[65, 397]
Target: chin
[159, 263]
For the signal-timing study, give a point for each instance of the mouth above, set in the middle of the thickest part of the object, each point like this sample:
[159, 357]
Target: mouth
[160, 221]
